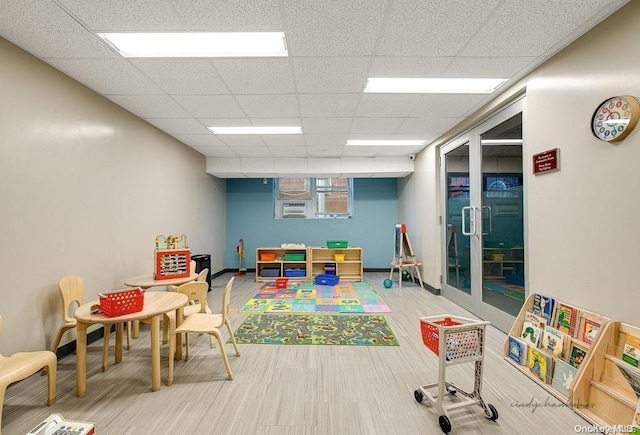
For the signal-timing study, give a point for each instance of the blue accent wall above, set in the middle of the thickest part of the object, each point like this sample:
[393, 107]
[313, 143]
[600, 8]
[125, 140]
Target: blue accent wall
[250, 210]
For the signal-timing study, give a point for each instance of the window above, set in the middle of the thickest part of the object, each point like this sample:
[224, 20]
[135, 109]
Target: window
[313, 198]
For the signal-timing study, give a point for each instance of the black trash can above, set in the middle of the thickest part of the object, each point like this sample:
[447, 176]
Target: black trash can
[203, 261]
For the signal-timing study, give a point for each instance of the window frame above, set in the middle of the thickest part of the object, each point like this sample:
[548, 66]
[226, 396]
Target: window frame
[311, 205]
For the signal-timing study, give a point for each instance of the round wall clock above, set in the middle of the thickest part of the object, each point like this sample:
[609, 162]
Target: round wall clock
[615, 118]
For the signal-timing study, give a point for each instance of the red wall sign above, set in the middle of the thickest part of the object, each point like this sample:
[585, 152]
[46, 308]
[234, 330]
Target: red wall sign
[546, 161]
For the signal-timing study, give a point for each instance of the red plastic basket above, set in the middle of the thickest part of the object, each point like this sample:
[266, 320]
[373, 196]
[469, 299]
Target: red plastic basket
[121, 302]
[431, 334]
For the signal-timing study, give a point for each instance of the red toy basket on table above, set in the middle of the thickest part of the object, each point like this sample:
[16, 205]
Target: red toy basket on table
[121, 302]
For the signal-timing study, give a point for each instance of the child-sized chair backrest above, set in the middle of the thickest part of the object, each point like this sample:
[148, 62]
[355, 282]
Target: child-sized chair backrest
[72, 292]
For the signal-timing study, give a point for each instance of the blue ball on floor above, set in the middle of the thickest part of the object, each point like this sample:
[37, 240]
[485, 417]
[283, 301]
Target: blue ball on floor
[388, 283]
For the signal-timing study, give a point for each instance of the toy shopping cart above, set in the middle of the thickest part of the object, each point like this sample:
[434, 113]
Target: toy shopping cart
[455, 340]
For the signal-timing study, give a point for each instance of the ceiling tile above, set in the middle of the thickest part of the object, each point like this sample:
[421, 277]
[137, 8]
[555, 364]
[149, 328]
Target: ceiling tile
[292, 151]
[242, 140]
[45, 30]
[397, 66]
[150, 106]
[446, 105]
[324, 151]
[225, 122]
[229, 15]
[175, 126]
[269, 106]
[488, 67]
[201, 140]
[426, 127]
[182, 76]
[256, 75]
[432, 28]
[528, 29]
[331, 74]
[328, 105]
[333, 27]
[216, 151]
[375, 125]
[326, 125]
[254, 151]
[210, 106]
[283, 140]
[326, 140]
[107, 76]
[387, 105]
[125, 15]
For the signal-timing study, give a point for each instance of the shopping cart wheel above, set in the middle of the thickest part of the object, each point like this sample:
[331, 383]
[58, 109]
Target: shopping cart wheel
[418, 395]
[492, 412]
[445, 423]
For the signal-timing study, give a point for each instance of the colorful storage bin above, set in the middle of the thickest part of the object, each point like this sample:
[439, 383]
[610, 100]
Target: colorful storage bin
[289, 256]
[270, 272]
[295, 273]
[267, 256]
[337, 244]
[326, 279]
[338, 257]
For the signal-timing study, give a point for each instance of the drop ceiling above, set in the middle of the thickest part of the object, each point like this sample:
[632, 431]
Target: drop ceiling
[333, 46]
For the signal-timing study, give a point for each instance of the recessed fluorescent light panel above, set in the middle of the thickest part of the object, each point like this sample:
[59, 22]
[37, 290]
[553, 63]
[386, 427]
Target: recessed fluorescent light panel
[389, 142]
[432, 85]
[256, 130]
[194, 44]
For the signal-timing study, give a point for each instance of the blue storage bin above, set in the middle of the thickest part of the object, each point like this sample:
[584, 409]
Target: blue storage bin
[295, 273]
[326, 279]
[270, 272]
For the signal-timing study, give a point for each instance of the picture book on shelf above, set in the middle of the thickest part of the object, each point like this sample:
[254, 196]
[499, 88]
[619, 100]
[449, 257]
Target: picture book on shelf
[631, 374]
[589, 330]
[532, 330]
[635, 424]
[544, 306]
[540, 364]
[563, 375]
[517, 350]
[554, 341]
[567, 319]
[631, 350]
[577, 354]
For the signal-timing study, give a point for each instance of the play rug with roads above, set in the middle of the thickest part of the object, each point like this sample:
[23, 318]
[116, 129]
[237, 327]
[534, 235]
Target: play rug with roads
[320, 329]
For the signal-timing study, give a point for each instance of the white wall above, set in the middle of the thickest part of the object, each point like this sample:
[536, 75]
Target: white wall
[85, 187]
[582, 241]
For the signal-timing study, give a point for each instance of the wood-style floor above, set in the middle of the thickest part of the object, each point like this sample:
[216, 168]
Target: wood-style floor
[286, 390]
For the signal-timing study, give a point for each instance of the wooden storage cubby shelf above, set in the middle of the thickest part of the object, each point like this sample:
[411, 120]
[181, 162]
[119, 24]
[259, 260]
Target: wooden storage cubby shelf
[350, 269]
[584, 370]
[603, 395]
[280, 263]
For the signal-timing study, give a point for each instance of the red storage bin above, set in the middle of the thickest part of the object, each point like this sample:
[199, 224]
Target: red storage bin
[121, 302]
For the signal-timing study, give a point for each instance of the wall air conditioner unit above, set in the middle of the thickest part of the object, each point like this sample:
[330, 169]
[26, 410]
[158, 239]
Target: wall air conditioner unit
[294, 210]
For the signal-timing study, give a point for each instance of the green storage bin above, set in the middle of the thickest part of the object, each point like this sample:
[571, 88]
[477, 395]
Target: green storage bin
[337, 244]
[294, 256]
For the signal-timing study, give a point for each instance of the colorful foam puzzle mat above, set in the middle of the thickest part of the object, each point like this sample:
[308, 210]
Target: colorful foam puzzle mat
[353, 297]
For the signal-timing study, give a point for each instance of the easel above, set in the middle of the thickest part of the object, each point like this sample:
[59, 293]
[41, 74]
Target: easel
[403, 255]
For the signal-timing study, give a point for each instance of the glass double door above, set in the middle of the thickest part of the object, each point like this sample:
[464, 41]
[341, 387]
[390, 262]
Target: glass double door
[483, 219]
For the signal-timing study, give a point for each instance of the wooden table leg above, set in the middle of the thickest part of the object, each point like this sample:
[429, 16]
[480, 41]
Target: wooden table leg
[155, 353]
[118, 343]
[179, 315]
[172, 346]
[81, 359]
[136, 329]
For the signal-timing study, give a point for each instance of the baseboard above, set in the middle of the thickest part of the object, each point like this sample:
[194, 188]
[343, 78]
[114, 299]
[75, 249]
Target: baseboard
[435, 291]
[70, 348]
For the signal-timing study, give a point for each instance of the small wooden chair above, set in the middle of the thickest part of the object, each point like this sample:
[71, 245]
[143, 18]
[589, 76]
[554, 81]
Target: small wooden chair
[206, 323]
[72, 294]
[21, 365]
